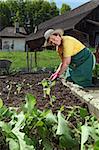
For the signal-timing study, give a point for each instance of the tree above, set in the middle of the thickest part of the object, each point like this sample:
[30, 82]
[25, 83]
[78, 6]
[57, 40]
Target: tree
[17, 11]
[54, 11]
[29, 13]
[40, 11]
[65, 8]
[4, 15]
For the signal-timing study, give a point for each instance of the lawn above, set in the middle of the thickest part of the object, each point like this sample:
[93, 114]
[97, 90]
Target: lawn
[46, 58]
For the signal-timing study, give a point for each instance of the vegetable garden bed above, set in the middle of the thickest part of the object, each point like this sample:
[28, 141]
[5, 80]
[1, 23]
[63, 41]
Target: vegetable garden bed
[40, 123]
[14, 88]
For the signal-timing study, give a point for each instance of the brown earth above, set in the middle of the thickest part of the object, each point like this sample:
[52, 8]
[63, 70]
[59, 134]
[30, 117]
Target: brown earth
[14, 88]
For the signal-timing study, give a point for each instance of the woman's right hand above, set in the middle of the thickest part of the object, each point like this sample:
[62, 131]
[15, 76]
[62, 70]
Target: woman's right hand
[54, 76]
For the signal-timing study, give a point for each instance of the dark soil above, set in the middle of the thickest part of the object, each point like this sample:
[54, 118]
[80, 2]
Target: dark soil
[29, 84]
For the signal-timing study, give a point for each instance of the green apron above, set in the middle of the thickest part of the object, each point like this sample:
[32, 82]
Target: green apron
[80, 68]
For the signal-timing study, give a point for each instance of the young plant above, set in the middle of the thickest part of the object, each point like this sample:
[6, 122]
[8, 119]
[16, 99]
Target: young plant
[31, 129]
[47, 85]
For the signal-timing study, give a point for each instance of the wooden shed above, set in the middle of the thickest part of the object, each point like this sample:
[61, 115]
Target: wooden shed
[82, 23]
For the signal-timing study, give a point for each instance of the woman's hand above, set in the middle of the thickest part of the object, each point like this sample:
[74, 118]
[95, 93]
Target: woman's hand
[54, 76]
[63, 66]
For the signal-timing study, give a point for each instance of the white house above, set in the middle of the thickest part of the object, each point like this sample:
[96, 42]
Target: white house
[13, 39]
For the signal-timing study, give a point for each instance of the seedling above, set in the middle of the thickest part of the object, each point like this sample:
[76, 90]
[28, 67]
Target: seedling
[47, 85]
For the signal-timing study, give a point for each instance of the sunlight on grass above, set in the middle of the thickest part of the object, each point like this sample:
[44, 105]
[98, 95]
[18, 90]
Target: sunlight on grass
[46, 58]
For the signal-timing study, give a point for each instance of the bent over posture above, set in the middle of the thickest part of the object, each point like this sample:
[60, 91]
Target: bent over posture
[75, 57]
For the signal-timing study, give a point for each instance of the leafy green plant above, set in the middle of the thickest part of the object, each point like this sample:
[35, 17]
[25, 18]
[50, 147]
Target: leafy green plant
[47, 85]
[90, 134]
[29, 128]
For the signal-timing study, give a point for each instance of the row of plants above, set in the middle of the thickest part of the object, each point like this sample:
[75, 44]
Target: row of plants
[28, 128]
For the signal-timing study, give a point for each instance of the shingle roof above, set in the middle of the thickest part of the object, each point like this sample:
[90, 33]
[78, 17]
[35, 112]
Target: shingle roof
[87, 7]
[10, 32]
[65, 21]
[68, 24]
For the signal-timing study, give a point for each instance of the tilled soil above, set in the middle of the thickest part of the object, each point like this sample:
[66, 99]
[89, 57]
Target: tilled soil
[14, 88]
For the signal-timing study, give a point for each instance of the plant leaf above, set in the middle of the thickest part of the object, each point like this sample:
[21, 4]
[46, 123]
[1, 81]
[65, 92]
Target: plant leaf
[96, 146]
[64, 132]
[62, 125]
[13, 145]
[47, 145]
[44, 83]
[1, 103]
[20, 120]
[21, 140]
[84, 135]
[48, 91]
[53, 83]
[50, 118]
[30, 102]
[83, 112]
[5, 127]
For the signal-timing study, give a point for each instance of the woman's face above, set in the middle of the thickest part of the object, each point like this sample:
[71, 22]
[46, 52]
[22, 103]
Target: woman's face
[55, 40]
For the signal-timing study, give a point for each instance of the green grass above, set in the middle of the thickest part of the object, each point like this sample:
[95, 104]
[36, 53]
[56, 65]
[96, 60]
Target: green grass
[46, 58]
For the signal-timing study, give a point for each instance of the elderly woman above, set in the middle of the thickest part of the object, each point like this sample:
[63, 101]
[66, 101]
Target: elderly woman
[75, 57]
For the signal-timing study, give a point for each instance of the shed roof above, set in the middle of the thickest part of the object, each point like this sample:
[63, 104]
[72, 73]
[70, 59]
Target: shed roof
[87, 7]
[65, 21]
[10, 32]
[66, 25]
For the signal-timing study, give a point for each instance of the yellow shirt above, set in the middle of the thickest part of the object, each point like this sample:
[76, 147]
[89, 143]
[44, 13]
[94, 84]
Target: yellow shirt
[70, 46]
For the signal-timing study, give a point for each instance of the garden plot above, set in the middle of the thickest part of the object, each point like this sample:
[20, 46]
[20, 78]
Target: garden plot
[14, 88]
[39, 117]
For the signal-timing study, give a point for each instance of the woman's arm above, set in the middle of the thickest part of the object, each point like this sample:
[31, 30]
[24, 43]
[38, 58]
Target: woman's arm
[59, 68]
[63, 66]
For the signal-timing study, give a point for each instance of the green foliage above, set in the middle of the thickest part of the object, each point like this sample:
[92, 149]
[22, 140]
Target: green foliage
[28, 13]
[28, 120]
[47, 85]
[90, 133]
[29, 128]
[54, 11]
[96, 146]
[63, 130]
[65, 8]
[1, 103]
[85, 134]
[4, 14]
